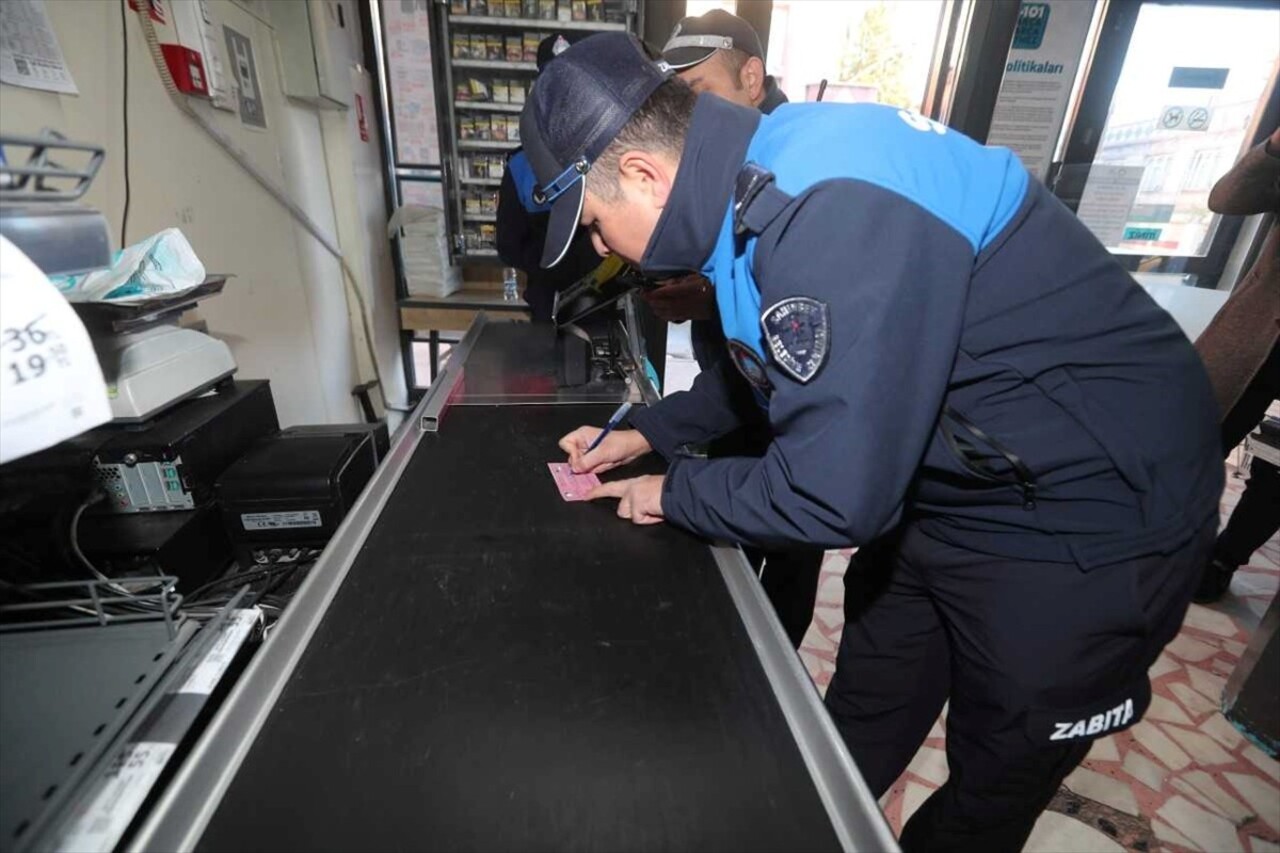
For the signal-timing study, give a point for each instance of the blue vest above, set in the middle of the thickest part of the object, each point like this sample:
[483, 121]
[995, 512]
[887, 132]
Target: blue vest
[974, 189]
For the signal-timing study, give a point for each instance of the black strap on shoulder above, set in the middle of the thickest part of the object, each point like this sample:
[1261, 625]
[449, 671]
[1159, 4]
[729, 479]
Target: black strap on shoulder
[757, 201]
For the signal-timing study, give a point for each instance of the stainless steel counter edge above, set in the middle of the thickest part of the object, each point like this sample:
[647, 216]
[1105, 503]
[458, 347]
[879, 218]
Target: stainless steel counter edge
[442, 388]
[855, 814]
[182, 813]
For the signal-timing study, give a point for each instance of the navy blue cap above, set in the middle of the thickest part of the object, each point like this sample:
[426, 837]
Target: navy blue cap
[576, 108]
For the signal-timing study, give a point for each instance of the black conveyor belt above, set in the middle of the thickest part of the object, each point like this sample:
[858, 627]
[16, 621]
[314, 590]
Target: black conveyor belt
[505, 671]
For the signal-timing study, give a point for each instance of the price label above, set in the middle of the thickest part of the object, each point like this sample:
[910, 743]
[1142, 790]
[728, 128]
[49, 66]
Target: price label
[31, 350]
[205, 677]
[97, 826]
[51, 385]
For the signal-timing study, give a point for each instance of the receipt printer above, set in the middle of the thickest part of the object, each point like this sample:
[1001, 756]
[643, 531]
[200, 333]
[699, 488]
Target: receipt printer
[284, 498]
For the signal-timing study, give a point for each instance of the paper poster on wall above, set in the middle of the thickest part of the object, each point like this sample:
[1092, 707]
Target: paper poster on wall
[1038, 76]
[1108, 199]
[30, 55]
[413, 95]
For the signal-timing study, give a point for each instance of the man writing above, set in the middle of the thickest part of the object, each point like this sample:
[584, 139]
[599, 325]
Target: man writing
[942, 349]
[720, 54]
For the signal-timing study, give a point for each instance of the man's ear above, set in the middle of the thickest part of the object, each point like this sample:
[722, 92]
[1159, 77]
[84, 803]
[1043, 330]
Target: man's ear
[751, 75]
[649, 174]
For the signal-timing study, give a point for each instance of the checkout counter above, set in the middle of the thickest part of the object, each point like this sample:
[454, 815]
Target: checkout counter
[475, 664]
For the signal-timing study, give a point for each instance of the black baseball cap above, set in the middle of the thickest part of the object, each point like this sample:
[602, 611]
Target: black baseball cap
[577, 107]
[695, 38]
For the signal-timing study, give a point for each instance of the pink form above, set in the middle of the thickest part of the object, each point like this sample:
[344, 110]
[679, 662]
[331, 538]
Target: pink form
[572, 487]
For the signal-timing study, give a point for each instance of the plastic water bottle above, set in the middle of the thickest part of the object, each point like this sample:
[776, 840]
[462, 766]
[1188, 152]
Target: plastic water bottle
[510, 285]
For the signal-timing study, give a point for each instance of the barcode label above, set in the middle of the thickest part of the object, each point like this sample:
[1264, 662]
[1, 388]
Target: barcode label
[230, 638]
[98, 827]
[278, 520]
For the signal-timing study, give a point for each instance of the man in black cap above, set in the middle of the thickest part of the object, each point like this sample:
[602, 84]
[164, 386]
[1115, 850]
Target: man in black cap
[943, 350]
[720, 54]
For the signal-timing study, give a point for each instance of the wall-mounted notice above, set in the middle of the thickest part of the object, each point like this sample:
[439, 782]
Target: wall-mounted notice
[1038, 76]
[413, 94]
[1107, 201]
[30, 55]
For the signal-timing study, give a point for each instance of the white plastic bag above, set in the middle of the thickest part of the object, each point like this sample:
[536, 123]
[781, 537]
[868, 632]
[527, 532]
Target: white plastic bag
[162, 264]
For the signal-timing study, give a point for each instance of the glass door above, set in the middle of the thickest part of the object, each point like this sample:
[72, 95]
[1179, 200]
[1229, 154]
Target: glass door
[881, 51]
[1177, 93]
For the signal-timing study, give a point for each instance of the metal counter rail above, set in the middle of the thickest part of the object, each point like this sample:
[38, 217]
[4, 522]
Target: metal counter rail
[850, 805]
[184, 810]
[429, 412]
[512, 672]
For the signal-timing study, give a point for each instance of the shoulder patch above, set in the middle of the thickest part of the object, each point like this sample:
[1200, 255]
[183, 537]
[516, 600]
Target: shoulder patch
[751, 366]
[798, 331]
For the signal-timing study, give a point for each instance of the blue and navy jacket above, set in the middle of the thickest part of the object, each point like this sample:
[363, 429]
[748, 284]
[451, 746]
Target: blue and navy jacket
[706, 336]
[992, 375]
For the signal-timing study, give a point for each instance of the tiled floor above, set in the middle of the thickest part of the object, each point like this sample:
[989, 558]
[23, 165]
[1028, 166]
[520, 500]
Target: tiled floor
[1183, 779]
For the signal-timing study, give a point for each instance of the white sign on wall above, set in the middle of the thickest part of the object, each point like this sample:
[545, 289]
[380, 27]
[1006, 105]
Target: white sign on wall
[30, 55]
[1038, 76]
[1108, 200]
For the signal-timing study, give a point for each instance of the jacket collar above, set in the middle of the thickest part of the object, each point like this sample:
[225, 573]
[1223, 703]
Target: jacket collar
[714, 151]
[773, 96]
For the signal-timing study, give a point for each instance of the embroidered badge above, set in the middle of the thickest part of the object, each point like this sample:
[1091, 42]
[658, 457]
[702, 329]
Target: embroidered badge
[798, 331]
[751, 366]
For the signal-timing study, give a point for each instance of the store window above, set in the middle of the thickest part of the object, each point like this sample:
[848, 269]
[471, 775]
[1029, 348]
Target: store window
[1194, 80]
[866, 50]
